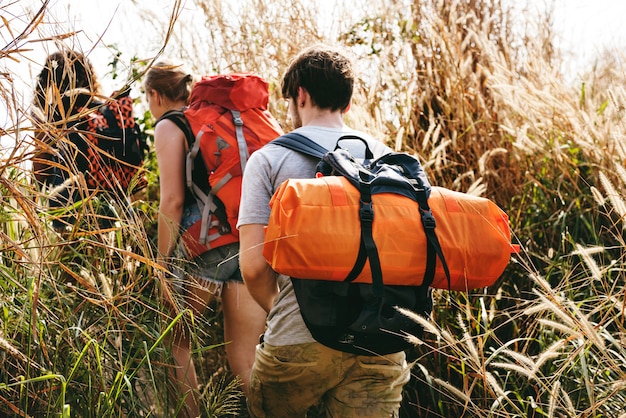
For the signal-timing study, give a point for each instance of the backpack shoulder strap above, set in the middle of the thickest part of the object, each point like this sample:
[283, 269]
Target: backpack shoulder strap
[193, 144]
[300, 143]
[179, 119]
[303, 144]
[195, 169]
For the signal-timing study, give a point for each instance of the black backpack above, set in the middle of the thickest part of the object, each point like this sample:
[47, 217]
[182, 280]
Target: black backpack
[106, 145]
[363, 318]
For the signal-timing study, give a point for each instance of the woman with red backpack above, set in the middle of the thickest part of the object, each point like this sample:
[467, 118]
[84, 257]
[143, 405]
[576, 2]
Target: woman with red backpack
[214, 273]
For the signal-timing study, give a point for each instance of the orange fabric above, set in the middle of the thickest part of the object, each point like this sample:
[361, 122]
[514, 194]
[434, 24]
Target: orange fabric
[194, 248]
[208, 112]
[220, 151]
[313, 234]
[240, 91]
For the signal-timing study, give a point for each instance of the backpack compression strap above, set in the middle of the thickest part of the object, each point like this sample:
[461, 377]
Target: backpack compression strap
[244, 154]
[433, 247]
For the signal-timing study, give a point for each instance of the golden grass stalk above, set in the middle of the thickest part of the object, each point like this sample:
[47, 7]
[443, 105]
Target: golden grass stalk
[614, 196]
[585, 254]
[460, 395]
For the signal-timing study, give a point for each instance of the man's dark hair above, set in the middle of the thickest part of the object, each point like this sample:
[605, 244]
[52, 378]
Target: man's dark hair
[326, 74]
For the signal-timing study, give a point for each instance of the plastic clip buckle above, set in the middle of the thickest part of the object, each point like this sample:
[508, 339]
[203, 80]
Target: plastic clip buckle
[366, 212]
[428, 220]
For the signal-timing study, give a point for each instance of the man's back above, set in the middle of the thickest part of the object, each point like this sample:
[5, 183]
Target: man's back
[273, 165]
[293, 372]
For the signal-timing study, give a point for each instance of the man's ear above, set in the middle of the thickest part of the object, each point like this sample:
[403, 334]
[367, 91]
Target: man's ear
[303, 97]
[348, 107]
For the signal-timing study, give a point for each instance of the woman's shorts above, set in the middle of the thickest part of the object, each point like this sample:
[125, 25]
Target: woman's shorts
[215, 267]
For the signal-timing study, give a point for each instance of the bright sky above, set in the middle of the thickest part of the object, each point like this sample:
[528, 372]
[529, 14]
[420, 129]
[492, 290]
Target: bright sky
[584, 26]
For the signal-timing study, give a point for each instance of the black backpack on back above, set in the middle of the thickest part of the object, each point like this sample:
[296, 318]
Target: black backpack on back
[356, 317]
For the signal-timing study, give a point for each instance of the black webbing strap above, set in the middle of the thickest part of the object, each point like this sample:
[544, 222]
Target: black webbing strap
[367, 248]
[433, 247]
[300, 143]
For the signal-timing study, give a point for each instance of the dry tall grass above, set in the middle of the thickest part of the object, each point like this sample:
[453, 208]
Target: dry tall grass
[479, 97]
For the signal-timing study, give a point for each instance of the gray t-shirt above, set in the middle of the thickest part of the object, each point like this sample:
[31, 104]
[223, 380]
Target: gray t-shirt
[265, 171]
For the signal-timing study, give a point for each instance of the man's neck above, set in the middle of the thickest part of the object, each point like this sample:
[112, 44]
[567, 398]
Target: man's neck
[322, 117]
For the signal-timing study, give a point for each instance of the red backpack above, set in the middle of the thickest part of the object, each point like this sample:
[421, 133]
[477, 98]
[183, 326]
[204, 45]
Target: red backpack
[226, 121]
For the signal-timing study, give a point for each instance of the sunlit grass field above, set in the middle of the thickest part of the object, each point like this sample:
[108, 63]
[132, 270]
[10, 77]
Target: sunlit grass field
[472, 89]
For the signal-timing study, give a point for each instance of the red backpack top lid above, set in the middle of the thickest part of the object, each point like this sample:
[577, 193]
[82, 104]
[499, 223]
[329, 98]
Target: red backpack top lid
[240, 91]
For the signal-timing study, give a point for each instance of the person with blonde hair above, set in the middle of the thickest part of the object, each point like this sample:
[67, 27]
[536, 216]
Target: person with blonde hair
[212, 274]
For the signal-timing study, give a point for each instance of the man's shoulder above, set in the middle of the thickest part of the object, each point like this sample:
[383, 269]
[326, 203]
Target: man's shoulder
[268, 152]
[267, 158]
[329, 137]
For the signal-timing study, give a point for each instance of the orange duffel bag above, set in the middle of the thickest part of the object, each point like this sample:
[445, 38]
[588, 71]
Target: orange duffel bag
[314, 232]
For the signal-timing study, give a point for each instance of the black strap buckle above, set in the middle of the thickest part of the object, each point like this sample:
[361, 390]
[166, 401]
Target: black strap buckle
[366, 212]
[428, 219]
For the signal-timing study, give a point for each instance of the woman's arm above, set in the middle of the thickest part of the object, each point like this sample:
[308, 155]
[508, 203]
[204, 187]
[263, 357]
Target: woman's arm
[170, 146]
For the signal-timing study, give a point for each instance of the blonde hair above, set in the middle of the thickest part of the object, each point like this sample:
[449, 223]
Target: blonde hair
[170, 80]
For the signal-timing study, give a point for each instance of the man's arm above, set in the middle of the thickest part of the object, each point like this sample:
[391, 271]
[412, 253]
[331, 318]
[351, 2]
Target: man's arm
[258, 276]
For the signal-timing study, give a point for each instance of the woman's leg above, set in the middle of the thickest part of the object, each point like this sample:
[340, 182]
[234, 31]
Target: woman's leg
[197, 299]
[244, 322]
[185, 373]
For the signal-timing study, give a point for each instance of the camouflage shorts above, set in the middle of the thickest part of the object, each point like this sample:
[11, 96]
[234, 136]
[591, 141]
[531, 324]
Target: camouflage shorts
[287, 381]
